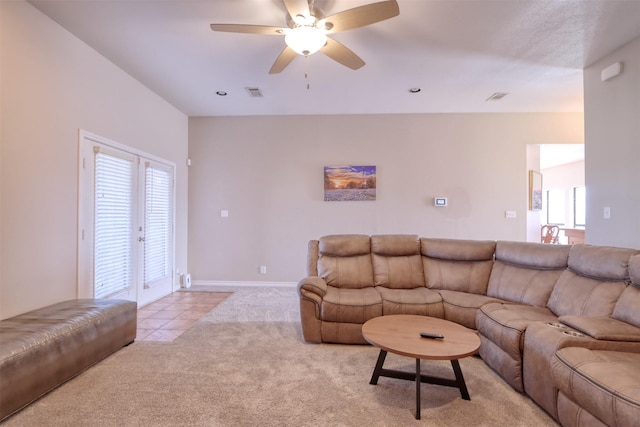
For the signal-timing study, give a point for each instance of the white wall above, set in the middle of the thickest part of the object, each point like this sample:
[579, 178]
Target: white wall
[268, 173]
[52, 85]
[612, 150]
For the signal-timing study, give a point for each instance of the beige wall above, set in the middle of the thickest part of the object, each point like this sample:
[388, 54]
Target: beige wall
[612, 150]
[267, 172]
[533, 216]
[52, 85]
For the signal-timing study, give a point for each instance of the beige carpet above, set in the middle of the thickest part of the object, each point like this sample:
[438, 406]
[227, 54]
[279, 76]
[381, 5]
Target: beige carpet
[244, 372]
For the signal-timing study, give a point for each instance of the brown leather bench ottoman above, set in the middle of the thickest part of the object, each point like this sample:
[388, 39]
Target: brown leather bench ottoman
[42, 349]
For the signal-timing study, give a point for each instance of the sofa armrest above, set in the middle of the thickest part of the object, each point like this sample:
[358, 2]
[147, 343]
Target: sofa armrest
[313, 284]
[603, 328]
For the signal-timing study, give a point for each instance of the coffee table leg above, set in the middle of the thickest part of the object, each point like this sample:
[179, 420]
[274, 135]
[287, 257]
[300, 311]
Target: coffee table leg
[418, 381]
[460, 379]
[378, 369]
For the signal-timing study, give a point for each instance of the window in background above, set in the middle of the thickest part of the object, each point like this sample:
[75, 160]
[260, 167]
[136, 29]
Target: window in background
[158, 224]
[114, 217]
[555, 207]
[579, 207]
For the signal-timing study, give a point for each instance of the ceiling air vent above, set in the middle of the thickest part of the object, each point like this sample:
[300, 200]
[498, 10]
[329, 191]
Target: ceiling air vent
[497, 96]
[254, 92]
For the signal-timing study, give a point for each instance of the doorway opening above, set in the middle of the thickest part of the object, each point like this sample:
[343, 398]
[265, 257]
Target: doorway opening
[563, 191]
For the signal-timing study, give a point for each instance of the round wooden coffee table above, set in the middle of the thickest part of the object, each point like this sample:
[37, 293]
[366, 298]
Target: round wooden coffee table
[400, 334]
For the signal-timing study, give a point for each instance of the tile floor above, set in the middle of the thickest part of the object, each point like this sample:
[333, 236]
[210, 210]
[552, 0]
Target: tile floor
[169, 317]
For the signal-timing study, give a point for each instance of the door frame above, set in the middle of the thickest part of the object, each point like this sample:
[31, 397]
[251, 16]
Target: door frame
[85, 250]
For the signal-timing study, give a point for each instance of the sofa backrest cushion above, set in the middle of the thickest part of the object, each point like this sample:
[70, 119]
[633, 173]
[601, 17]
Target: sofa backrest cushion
[627, 308]
[634, 270]
[457, 265]
[396, 261]
[526, 272]
[601, 262]
[344, 261]
[595, 279]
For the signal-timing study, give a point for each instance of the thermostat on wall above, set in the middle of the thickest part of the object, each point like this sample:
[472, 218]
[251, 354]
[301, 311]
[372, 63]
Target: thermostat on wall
[440, 201]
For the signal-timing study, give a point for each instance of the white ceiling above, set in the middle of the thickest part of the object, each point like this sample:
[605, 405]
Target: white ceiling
[459, 52]
[552, 155]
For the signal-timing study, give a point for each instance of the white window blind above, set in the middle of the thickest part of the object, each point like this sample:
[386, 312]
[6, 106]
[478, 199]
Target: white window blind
[114, 210]
[157, 223]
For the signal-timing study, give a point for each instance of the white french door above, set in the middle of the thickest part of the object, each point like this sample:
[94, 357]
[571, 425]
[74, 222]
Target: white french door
[126, 211]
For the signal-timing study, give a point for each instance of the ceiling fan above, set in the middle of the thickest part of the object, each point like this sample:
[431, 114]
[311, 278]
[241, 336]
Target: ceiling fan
[307, 29]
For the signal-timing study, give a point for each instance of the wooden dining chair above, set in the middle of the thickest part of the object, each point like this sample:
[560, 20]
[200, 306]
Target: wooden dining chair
[549, 234]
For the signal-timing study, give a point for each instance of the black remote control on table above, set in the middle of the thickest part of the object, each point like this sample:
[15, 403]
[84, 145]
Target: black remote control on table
[432, 336]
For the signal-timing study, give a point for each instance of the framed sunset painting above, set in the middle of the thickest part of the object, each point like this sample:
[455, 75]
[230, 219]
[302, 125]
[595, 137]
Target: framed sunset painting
[349, 183]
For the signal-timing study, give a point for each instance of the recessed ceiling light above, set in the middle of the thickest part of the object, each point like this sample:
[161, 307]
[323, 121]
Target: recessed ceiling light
[415, 90]
[497, 96]
[221, 93]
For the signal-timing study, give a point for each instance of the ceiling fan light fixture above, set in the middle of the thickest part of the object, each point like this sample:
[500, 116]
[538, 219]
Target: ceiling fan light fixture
[305, 40]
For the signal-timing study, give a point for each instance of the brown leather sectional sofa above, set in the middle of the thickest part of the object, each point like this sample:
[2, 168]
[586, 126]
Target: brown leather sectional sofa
[559, 323]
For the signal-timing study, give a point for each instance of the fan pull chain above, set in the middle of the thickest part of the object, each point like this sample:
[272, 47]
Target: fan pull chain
[306, 70]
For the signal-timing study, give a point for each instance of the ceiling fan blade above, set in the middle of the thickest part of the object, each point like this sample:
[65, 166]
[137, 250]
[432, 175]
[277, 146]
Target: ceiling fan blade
[361, 16]
[342, 54]
[297, 7]
[284, 59]
[248, 29]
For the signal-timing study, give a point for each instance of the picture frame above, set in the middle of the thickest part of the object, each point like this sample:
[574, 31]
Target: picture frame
[535, 190]
[349, 183]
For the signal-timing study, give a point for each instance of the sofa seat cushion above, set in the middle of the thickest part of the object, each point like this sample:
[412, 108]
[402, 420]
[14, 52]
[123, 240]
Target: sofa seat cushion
[604, 383]
[462, 307]
[419, 301]
[502, 329]
[504, 324]
[350, 305]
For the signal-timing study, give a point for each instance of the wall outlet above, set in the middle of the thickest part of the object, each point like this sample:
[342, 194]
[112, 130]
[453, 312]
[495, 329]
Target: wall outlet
[263, 269]
[510, 214]
[224, 213]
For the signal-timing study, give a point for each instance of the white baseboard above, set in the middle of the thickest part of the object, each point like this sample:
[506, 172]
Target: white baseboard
[242, 284]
